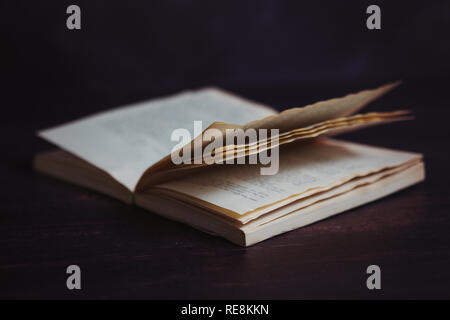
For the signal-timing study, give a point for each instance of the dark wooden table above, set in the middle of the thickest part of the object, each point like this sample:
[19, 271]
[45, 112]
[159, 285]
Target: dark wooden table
[126, 252]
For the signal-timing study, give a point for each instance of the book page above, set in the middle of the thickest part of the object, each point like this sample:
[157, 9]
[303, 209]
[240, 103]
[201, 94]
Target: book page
[313, 166]
[321, 111]
[126, 141]
[166, 170]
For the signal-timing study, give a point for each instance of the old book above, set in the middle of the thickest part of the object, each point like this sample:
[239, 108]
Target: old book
[128, 153]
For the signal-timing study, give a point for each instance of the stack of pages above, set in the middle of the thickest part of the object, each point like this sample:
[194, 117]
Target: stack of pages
[127, 153]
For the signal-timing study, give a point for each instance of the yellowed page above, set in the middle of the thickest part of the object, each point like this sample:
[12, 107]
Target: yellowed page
[311, 168]
[328, 128]
[165, 170]
[295, 118]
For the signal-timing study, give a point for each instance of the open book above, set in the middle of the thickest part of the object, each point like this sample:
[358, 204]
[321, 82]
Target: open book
[127, 153]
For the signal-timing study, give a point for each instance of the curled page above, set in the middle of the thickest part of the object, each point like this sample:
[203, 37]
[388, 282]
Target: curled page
[165, 170]
[321, 111]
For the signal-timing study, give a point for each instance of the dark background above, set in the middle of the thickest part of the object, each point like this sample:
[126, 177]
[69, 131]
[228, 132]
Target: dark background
[131, 50]
[283, 53]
